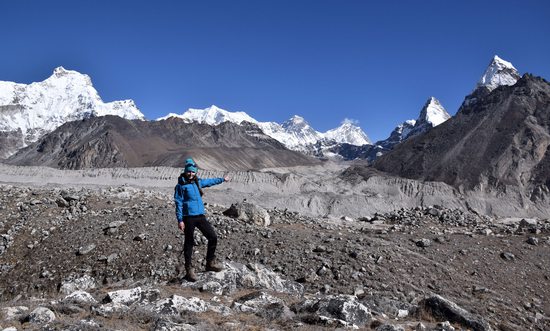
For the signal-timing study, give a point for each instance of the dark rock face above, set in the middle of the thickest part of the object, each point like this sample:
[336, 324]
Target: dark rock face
[111, 141]
[10, 142]
[352, 152]
[501, 139]
[400, 133]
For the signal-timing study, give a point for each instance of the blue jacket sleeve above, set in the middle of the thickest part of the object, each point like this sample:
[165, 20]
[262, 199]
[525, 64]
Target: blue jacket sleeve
[210, 182]
[178, 201]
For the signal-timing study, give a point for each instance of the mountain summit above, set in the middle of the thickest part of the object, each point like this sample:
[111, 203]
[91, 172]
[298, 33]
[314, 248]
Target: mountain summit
[348, 132]
[431, 115]
[212, 115]
[498, 73]
[27, 112]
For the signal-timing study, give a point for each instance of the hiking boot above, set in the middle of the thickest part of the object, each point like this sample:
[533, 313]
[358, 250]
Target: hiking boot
[190, 274]
[212, 266]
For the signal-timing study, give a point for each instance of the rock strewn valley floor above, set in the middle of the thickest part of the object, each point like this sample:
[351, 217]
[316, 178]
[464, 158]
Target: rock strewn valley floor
[125, 237]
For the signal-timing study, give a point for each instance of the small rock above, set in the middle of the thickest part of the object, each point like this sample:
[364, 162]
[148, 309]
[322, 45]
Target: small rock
[140, 237]
[485, 232]
[424, 243]
[62, 202]
[85, 249]
[533, 241]
[40, 315]
[507, 256]
[320, 249]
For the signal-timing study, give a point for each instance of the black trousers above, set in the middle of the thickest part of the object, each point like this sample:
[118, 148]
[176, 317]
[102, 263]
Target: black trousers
[199, 222]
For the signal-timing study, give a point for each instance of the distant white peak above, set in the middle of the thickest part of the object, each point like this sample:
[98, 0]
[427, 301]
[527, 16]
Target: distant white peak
[348, 132]
[62, 76]
[499, 73]
[60, 71]
[349, 123]
[433, 112]
[170, 115]
[295, 121]
[213, 115]
[502, 62]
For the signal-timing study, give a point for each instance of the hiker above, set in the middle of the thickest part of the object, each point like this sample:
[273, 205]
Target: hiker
[190, 214]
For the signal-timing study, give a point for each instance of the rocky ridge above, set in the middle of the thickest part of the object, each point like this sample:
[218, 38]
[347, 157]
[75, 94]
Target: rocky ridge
[111, 141]
[108, 258]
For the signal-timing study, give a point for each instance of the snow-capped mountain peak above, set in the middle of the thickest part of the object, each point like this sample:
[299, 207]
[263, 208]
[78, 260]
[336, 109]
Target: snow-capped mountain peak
[433, 112]
[298, 133]
[348, 132]
[212, 115]
[60, 71]
[499, 72]
[66, 95]
[431, 115]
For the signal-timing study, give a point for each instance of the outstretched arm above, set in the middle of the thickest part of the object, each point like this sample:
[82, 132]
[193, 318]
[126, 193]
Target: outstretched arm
[210, 181]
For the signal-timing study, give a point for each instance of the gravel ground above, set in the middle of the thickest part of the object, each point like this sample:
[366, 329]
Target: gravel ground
[497, 269]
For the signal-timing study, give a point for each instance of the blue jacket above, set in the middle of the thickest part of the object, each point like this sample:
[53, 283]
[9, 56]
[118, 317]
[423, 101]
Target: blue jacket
[188, 199]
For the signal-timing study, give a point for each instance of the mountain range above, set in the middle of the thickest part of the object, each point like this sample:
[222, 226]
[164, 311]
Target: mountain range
[295, 133]
[28, 112]
[30, 115]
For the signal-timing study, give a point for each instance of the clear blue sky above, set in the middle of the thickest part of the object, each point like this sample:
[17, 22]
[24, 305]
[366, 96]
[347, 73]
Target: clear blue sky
[376, 62]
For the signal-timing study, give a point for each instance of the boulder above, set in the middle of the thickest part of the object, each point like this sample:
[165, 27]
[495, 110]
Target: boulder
[131, 296]
[345, 308]
[73, 284]
[79, 297]
[167, 325]
[40, 315]
[110, 310]
[176, 304]
[263, 305]
[12, 313]
[249, 213]
[238, 276]
[445, 310]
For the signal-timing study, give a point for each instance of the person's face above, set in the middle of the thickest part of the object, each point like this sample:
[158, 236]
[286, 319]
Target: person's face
[190, 174]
